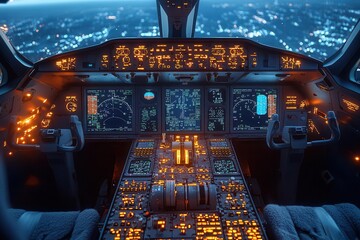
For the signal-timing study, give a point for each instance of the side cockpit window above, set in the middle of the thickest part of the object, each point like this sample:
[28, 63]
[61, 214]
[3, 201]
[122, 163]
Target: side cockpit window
[355, 73]
[3, 75]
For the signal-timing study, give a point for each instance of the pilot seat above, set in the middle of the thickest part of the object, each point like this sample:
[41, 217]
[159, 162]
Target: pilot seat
[289, 221]
[21, 224]
[333, 222]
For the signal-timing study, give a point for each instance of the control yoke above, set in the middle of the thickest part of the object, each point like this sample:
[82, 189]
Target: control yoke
[294, 137]
[292, 150]
[77, 131]
[55, 140]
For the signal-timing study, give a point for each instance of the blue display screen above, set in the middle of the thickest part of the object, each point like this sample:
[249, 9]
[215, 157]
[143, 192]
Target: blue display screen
[109, 110]
[252, 108]
[182, 109]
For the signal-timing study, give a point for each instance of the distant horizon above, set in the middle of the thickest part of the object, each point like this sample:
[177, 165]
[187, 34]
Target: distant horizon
[39, 29]
[241, 1]
[40, 2]
[59, 1]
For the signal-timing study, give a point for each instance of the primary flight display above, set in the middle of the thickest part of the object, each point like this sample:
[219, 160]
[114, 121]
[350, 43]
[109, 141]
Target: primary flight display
[109, 110]
[252, 108]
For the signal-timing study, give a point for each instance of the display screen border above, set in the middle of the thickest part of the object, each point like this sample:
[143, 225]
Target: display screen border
[84, 92]
[231, 103]
[139, 104]
[225, 105]
[163, 121]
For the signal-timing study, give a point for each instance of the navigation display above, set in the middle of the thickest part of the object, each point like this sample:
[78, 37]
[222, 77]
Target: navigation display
[252, 108]
[216, 111]
[182, 109]
[109, 110]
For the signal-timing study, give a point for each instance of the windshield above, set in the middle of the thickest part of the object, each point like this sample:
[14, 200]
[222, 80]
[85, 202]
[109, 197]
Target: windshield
[39, 29]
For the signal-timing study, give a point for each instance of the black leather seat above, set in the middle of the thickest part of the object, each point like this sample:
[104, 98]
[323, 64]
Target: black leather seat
[332, 222]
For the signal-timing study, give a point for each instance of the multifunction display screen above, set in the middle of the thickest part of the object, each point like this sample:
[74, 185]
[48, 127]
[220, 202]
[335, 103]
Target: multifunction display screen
[148, 119]
[216, 111]
[216, 119]
[182, 109]
[216, 95]
[147, 110]
[252, 108]
[109, 110]
[121, 111]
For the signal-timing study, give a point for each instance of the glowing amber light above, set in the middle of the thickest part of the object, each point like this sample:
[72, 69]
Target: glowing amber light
[357, 158]
[27, 96]
[253, 59]
[66, 64]
[105, 61]
[288, 62]
[237, 58]
[351, 106]
[70, 99]
[187, 157]
[178, 157]
[291, 102]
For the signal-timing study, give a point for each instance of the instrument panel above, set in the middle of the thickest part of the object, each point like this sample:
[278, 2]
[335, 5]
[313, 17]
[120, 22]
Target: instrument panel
[184, 55]
[148, 86]
[182, 109]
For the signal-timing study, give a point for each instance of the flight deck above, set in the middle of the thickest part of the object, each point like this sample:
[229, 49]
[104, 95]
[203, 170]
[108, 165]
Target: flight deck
[179, 138]
[182, 177]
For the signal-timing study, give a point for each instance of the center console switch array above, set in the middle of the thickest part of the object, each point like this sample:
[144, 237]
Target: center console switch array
[182, 187]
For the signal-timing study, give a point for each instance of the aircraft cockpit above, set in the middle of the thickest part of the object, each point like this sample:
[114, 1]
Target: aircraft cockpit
[180, 137]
